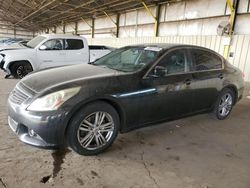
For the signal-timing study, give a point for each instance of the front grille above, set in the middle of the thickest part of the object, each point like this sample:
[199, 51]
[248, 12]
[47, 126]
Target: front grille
[17, 96]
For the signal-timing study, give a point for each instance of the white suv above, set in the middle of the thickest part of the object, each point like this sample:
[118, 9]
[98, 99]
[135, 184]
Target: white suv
[46, 51]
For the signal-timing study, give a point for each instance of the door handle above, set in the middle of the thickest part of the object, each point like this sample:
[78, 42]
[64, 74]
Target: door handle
[47, 61]
[220, 76]
[187, 81]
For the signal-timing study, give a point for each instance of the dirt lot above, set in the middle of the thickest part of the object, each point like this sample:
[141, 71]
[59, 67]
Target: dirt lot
[195, 152]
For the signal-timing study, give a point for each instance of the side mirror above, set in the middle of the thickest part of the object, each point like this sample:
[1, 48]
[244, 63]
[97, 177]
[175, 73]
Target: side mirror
[42, 47]
[160, 71]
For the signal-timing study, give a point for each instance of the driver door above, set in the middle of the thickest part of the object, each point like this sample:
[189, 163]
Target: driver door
[173, 96]
[51, 54]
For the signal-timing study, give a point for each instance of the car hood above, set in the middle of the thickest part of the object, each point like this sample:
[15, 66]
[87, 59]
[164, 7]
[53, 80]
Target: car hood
[17, 51]
[46, 79]
[11, 47]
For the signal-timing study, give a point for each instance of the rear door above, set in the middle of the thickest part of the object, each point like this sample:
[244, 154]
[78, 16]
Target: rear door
[208, 77]
[76, 52]
[51, 55]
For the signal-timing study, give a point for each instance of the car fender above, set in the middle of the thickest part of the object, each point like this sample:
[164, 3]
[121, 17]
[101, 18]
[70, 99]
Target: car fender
[108, 99]
[17, 56]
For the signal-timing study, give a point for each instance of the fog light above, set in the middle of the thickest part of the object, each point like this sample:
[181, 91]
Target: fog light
[32, 133]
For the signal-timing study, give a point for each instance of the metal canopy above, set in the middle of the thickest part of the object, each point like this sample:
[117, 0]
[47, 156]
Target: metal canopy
[35, 15]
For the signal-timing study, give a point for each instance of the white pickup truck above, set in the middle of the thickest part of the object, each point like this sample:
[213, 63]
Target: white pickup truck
[49, 50]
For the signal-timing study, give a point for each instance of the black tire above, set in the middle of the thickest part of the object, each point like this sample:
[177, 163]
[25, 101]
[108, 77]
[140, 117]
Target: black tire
[20, 69]
[217, 111]
[73, 132]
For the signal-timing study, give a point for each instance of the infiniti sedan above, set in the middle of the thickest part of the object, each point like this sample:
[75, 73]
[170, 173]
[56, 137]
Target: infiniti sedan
[132, 87]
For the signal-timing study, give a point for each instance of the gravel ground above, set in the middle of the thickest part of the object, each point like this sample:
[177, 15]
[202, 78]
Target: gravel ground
[195, 152]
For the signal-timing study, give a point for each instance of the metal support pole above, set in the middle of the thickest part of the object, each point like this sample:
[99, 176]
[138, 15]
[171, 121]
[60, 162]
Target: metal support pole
[109, 17]
[248, 5]
[86, 22]
[156, 18]
[76, 28]
[117, 25]
[157, 23]
[93, 28]
[14, 31]
[236, 5]
[232, 20]
[63, 28]
[54, 29]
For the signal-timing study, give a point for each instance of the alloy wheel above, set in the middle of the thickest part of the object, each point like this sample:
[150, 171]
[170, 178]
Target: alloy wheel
[96, 130]
[225, 105]
[23, 70]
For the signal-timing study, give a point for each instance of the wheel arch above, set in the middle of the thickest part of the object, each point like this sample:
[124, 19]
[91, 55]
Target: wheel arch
[11, 64]
[109, 101]
[234, 89]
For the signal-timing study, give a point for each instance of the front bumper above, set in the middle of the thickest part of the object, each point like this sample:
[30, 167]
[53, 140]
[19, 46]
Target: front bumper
[2, 64]
[39, 129]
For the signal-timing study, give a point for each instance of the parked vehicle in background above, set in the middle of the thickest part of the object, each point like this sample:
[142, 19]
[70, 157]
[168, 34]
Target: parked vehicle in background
[47, 51]
[98, 51]
[10, 41]
[129, 88]
[16, 45]
[2, 40]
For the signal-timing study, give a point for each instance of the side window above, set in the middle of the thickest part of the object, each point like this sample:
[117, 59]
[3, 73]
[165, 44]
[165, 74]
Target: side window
[204, 60]
[73, 44]
[54, 44]
[174, 62]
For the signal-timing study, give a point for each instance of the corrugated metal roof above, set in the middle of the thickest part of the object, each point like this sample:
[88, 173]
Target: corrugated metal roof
[39, 14]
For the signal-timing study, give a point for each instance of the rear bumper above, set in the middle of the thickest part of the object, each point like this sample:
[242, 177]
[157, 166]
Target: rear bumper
[240, 94]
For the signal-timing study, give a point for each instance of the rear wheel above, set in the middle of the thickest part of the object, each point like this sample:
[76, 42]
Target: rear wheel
[224, 104]
[93, 129]
[21, 69]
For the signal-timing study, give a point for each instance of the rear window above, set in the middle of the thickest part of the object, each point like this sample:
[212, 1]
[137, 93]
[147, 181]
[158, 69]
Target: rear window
[93, 47]
[204, 60]
[73, 44]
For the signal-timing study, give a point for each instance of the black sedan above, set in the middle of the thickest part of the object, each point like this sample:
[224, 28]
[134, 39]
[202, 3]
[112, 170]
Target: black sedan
[86, 106]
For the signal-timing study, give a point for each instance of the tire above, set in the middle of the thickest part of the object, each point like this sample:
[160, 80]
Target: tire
[224, 104]
[20, 69]
[84, 133]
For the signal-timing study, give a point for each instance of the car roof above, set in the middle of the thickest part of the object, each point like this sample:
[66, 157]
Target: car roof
[51, 36]
[166, 46]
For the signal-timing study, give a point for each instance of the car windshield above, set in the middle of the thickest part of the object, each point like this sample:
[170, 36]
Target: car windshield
[35, 41]
[129, 59]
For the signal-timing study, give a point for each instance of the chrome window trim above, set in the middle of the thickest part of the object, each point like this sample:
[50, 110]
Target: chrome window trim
[146, 75]
[212, 52]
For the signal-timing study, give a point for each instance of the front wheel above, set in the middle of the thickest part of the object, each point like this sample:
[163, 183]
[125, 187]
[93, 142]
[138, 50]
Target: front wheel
[93, 129]
[21, 69]
[224, 104]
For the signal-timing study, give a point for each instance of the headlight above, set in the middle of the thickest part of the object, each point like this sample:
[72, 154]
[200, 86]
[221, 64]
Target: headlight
[53, 101]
